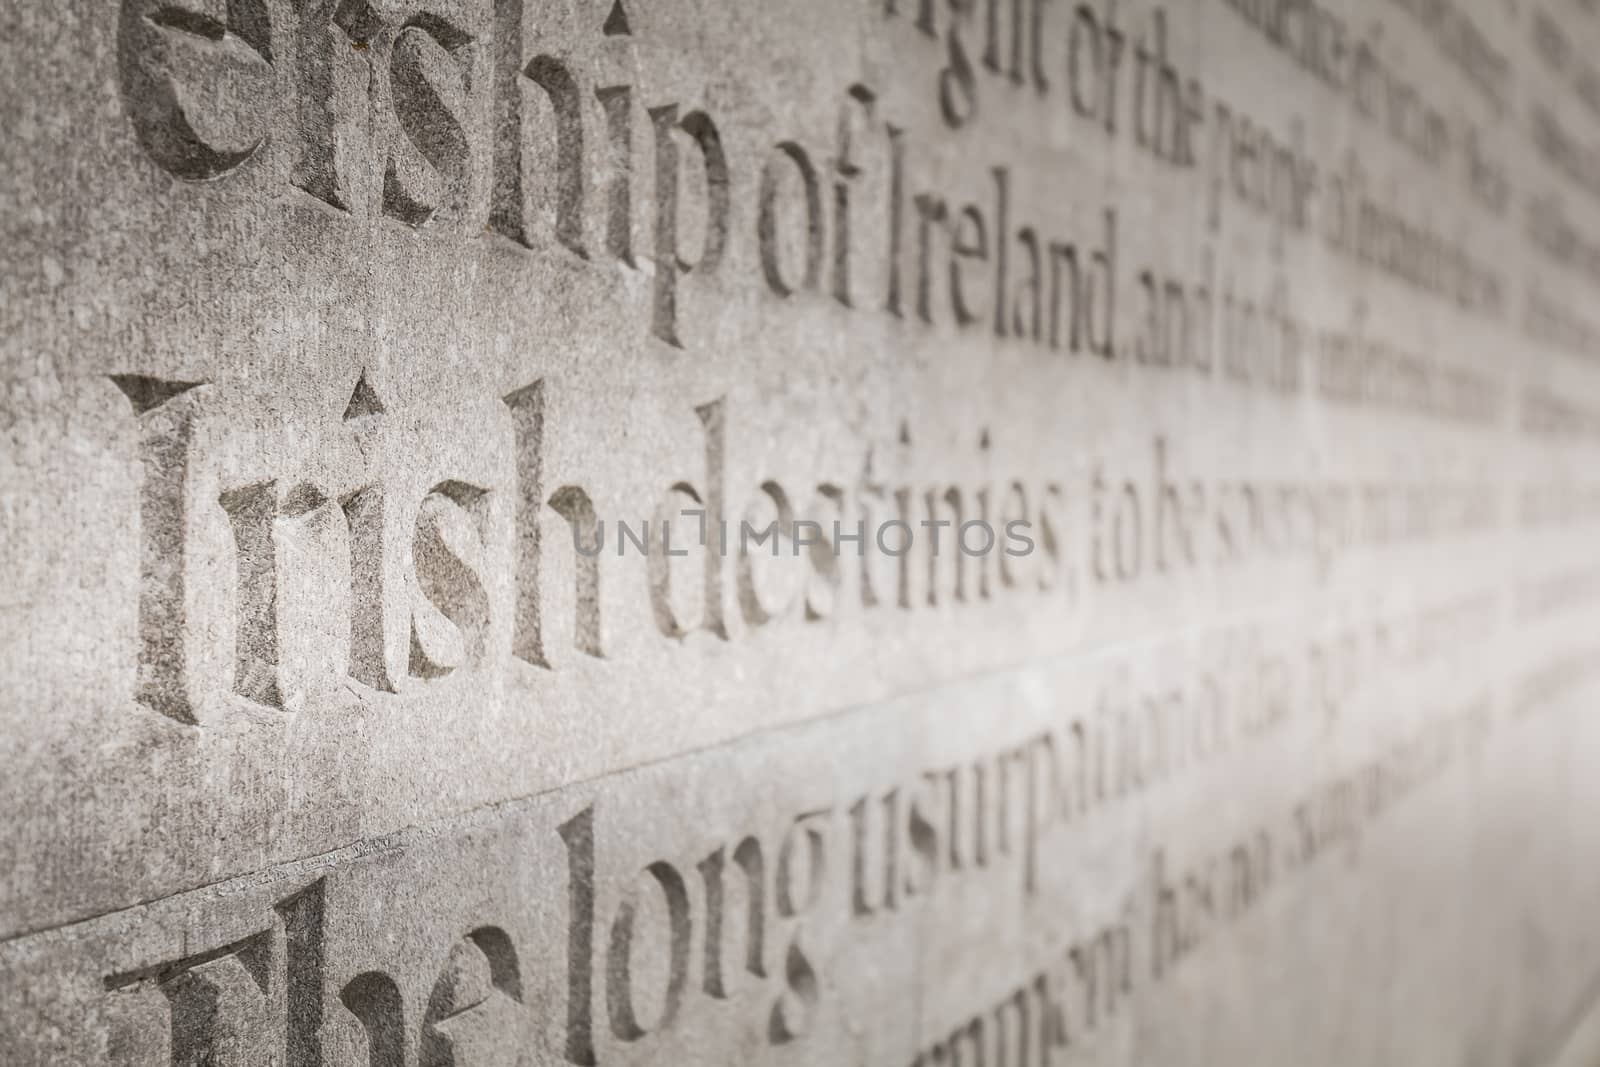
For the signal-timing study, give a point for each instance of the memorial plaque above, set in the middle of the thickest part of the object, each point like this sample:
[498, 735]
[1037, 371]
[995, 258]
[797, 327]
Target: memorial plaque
[934, 533]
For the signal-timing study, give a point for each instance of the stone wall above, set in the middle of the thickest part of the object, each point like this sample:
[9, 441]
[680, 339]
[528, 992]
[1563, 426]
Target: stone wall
[857, 532]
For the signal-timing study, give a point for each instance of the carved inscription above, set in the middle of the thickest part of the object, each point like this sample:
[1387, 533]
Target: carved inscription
[733, 924]
[835, 547]
[443, 608]
[969, 258]
[1228, 322]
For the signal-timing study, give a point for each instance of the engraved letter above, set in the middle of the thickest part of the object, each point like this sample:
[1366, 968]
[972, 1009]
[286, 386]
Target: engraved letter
[156, 41]
[166, 425]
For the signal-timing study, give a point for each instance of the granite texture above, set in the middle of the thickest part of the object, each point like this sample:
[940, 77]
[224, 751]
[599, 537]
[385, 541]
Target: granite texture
[392, 391]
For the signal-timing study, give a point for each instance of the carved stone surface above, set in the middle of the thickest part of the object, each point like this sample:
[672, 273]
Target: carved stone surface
[935, 532]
